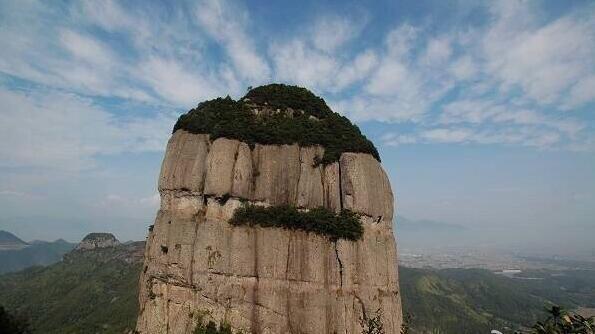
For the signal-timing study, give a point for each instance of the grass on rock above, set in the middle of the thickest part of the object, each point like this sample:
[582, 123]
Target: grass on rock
[345, 225]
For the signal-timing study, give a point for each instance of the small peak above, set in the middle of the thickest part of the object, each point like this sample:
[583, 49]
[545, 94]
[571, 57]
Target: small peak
[9, 241]
[97, 240]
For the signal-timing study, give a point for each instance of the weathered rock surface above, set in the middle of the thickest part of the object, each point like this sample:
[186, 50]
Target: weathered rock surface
[266, 280]
[97, 240]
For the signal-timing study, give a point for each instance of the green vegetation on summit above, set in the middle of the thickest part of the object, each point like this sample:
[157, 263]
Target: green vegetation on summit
[280, 96]
[311, 123]
[345, 225]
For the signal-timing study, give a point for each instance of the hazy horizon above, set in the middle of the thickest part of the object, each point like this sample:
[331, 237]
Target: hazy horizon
[483, 112]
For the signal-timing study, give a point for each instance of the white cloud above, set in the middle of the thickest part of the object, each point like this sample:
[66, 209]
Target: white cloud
[520, 69]
[384, 109]
[463, 68]
[66, 59]
[446, 135]
[394, 90]
[63, 131]
[581, 93]
[359, 69]
[437, 53]
[400, 41]
[514, 78]
[479, 111]
[332, 32]
[110, 16]
[223, 22]
[543, 60]
[391, 139]
[66, 56]
[401, 87]
[297, 62]
[86, 49]
[523, 136]
[174, 82]
[310, 60]
[391, 78]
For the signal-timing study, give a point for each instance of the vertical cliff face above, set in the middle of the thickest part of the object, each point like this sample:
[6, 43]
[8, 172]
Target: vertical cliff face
[198, 267]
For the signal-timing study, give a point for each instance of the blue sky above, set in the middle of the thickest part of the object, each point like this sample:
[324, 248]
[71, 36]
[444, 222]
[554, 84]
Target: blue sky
[483, 111]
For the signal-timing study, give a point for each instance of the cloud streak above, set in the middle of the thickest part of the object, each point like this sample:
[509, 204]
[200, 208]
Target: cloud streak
[509, 81]
[63, 131]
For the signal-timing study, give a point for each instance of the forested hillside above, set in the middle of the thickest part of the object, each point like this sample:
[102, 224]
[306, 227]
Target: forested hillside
[89, 292]
[96, 292]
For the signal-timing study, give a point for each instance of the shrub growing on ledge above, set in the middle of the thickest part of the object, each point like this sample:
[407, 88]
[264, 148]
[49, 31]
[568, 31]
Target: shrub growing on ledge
[211, 328]
[345, 225]
[225, 117]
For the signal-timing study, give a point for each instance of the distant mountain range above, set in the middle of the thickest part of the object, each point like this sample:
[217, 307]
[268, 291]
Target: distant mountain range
[9, 241]
[16, 254]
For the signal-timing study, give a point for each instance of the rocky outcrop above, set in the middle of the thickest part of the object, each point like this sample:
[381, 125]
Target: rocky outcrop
[97, 240]
[266, 280]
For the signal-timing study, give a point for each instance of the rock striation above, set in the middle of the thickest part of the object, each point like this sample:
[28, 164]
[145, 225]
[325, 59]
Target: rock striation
[266, 280]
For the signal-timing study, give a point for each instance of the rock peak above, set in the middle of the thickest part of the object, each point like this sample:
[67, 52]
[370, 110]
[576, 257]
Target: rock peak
[206, 262]
[97, 240]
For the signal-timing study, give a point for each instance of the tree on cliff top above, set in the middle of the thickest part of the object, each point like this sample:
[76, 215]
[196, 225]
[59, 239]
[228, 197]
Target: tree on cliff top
[312, 123]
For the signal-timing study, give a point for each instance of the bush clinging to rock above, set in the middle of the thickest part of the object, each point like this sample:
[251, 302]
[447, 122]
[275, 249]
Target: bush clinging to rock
[345, 225]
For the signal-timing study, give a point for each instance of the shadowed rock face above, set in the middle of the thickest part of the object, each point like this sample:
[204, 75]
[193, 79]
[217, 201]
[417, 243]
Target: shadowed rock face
[266, 280]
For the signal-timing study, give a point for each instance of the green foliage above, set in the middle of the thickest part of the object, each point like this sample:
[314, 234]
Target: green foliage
[211, 328]
[225, 117]
[89, 292]
[465, 301]
[372, 325]
[10, 324]
[280, 96]
[405, 327]
[345, 225]
[559, 321]
[477, 301]
[579, 286]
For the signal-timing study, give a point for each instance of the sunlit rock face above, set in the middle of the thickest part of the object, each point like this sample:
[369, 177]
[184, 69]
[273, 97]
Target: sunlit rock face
[266, 280]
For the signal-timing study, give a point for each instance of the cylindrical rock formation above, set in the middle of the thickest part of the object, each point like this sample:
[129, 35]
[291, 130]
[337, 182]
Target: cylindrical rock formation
[199, 268]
